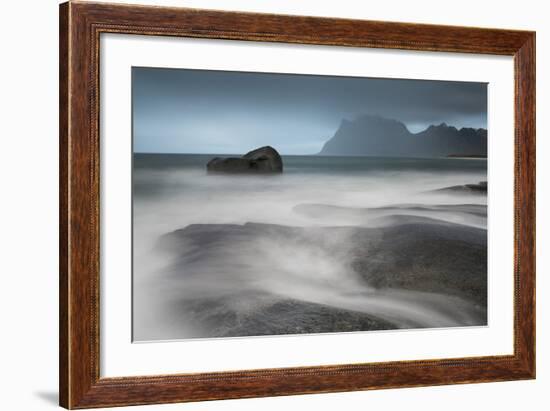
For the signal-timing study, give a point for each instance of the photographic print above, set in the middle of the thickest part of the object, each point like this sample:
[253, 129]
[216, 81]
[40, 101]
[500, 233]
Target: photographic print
[277, 204]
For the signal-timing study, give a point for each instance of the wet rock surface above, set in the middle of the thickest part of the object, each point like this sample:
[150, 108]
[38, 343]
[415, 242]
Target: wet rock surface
[411, 272]
[479, 188]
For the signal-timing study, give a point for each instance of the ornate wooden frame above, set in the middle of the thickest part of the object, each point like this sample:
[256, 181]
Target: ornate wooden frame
[81, 24]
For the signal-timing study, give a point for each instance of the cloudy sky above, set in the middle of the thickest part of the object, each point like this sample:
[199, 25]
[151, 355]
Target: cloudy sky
[221, 112]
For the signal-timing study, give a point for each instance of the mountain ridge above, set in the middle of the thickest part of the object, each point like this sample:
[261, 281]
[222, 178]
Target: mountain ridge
[374, 135]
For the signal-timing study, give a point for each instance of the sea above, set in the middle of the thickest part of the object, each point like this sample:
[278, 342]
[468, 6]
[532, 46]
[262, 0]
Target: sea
[261, 255]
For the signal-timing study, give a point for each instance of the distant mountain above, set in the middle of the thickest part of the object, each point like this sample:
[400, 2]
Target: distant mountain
[371, 135]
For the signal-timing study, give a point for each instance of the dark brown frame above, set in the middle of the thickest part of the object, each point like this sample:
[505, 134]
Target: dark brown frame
[81, 24]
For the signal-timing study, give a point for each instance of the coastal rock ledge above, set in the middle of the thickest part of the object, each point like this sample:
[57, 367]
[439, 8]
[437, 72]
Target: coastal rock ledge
[263, 160]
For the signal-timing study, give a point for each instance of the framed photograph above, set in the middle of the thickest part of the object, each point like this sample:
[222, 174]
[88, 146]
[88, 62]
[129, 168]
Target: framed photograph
[258, 205]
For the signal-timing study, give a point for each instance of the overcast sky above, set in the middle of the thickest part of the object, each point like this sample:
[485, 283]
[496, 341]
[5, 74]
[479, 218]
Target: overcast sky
[203, 111]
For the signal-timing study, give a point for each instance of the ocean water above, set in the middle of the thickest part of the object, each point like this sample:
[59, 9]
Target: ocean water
[307, 251]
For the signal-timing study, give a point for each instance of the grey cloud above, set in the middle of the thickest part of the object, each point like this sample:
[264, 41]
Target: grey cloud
[193, 111]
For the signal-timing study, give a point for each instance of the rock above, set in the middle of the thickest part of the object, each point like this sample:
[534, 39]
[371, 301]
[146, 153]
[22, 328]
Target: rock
[479, 188]
[470, 214]
[267, 159]
[405, 275]
[229, 165]
[263, 160]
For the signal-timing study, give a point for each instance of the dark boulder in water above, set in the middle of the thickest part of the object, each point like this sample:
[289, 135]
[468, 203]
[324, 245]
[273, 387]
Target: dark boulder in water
[229, 165]
[263, 160]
